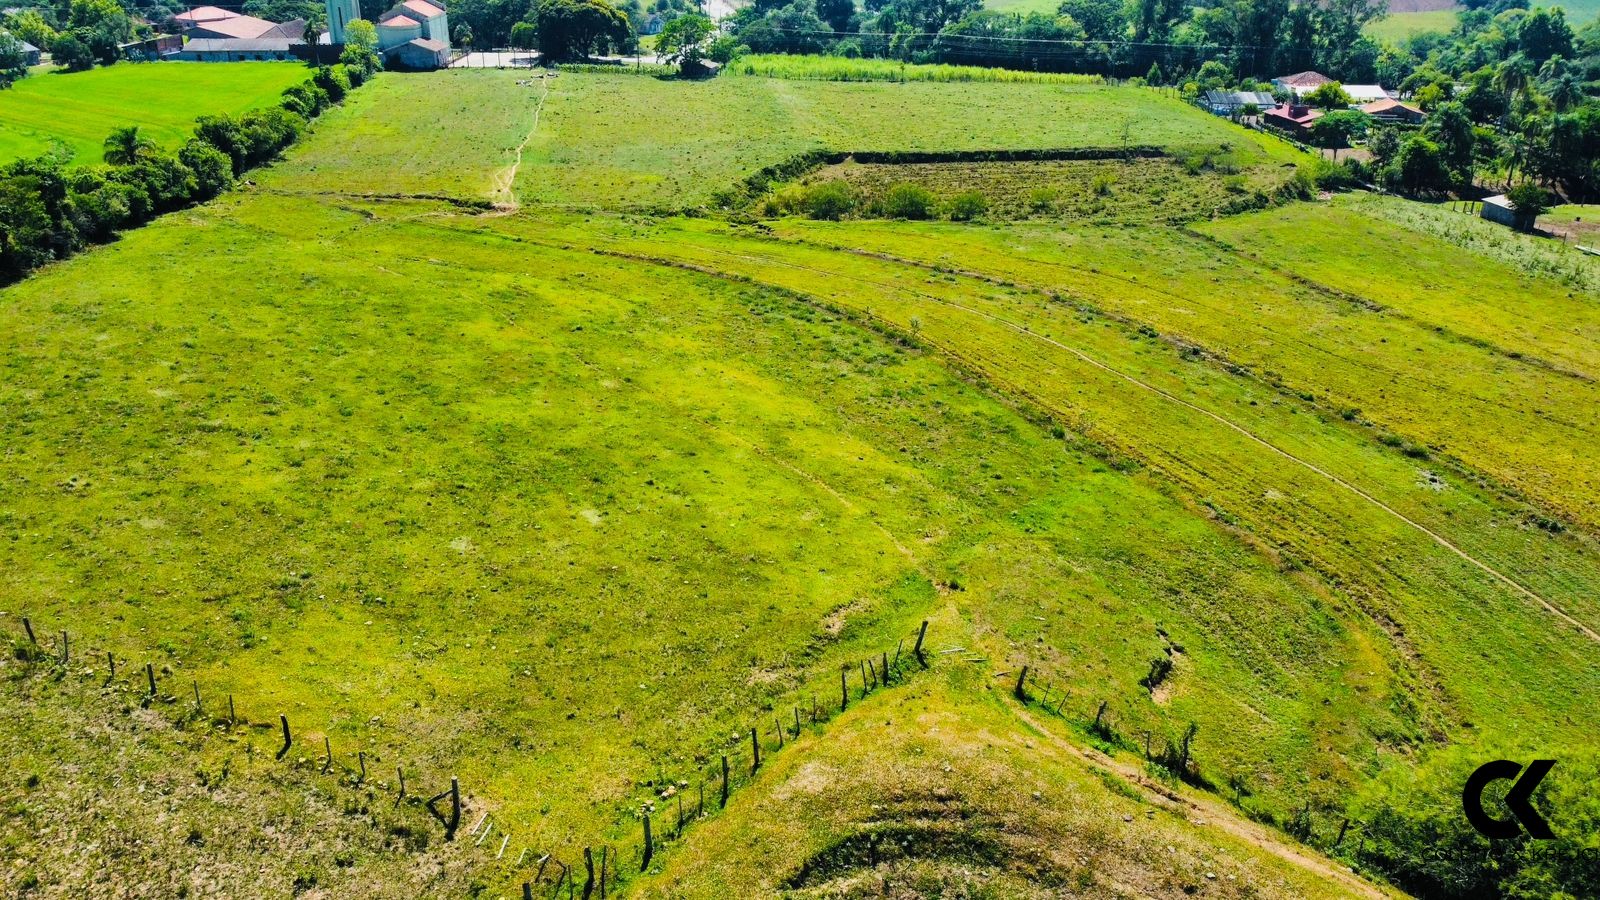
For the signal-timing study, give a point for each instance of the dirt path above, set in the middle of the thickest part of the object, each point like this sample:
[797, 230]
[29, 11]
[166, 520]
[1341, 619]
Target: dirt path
[1214, 813]
[505, 199]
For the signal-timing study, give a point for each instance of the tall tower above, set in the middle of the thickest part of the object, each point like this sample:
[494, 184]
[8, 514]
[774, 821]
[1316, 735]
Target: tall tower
[340, 14]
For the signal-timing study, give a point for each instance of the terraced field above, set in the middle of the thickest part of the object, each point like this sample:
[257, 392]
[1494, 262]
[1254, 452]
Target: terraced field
[575, 498]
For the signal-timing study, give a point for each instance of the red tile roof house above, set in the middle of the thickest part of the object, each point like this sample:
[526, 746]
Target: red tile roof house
[1393, 111]
[1294, 118]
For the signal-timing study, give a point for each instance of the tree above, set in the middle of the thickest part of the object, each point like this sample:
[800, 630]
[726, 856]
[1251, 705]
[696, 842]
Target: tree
[1337, 130]
[126, 146]
[1451, 129]
[72, 53]
[32, 27]
[682, 41]
[1418, 167]
[1329, 96]
[1383, 143]
[13, 61]
[524, 36]
[1529, 201]
[361, 47]
[576, 29]
[462, 36]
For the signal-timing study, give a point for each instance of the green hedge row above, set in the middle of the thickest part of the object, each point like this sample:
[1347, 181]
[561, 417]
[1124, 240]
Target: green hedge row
[49, 211]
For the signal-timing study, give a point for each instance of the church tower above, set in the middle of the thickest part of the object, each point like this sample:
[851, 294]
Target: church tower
[340, 14]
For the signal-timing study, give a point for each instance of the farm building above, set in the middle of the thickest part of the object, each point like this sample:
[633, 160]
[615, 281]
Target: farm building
[412, 34]
[419, 54]
[1367, 93]
[1499, 208]
[1231, 103]
[1393, 112]
[1291, 118]
[30, 54]
[234, 50]
[1301, 82]
[221, 24]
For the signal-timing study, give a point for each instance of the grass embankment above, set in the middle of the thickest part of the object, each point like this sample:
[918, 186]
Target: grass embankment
[76, 111]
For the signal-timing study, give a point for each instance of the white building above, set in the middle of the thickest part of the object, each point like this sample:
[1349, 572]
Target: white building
[413, 34]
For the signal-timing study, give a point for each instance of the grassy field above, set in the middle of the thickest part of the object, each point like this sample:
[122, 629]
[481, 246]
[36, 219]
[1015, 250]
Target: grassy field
[564, 499]
[77, 111]
[839, 68]
[1395, 28]
[601, 140]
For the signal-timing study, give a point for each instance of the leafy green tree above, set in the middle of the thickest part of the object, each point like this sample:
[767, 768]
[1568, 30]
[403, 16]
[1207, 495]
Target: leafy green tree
[213, 171]
[1339, 129]
[1451, 129]
[32, 27]
[683, 40]
[1329, 96]
[524, 36]
[13, 61]
[1100, 19]
[1544, 33]
[1530, 201]
[361, 47]
[1383, 142]
[126, 146]
[1419, 168]
[576, 29]
[72, 53]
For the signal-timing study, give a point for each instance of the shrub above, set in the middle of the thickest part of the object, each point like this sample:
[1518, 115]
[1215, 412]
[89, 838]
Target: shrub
[1043, 199]
[334, 81]
[967, 206]
[213, 170]
[907, 201]
[831, 200]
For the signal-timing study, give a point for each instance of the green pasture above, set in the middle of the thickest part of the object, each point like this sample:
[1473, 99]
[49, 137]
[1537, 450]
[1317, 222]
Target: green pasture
[564, 498]
[1397, 27]
[76, 111]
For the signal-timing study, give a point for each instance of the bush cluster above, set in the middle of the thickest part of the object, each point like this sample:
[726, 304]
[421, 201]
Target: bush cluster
[834, 200]
[49, 211]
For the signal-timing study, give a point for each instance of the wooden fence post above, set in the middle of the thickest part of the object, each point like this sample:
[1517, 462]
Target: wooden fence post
[1021, 689]
[150, 675]
[917, 650]
[844, 689]
[64, 647]
[111, 663]
[197, 707]
[649, 846]
[863, 679]
[327, 765]
[232, 718]
[777, 726]
[588, 865]
[755, 751]
[797, 722]
[886, 667]
[400, 774]
[28, 627]
[287, 741]
[724, 781]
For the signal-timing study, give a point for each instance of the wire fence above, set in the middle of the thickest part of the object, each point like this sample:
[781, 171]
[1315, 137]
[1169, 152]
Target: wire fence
[677, 802]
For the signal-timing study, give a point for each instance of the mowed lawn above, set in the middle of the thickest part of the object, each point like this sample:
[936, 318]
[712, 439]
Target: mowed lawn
[78, 110]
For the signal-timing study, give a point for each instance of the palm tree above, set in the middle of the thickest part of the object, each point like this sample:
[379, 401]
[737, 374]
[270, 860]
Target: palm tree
[127, 146]
[1513, 75]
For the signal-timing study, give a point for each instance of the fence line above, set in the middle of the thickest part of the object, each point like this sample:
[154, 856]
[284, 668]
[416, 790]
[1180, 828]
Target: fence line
[725, 772]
